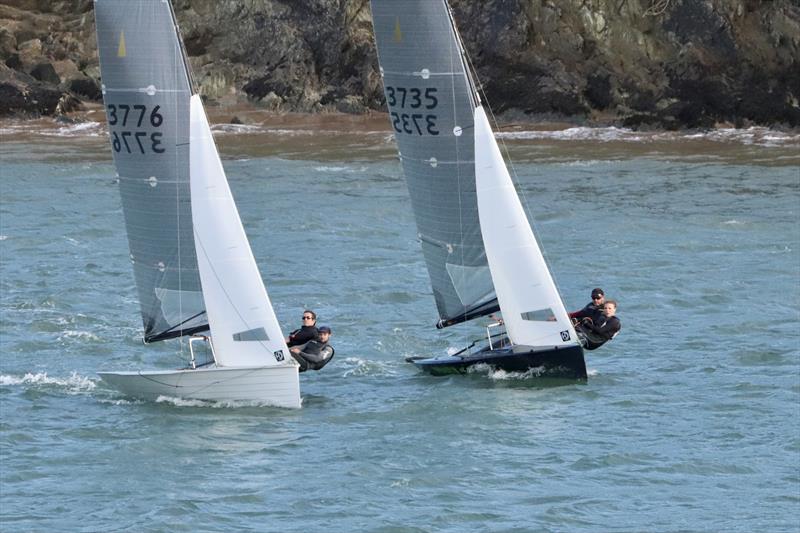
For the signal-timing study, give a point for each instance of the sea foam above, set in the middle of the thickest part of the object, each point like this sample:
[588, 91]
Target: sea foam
[364, 367]
[757, 136]
[74, 383]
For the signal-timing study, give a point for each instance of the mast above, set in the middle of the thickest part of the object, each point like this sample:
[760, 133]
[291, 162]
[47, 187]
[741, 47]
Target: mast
[186, 65]
[476, 98]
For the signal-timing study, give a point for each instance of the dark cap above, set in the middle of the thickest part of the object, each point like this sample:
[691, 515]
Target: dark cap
[324, 329]
[597, 292]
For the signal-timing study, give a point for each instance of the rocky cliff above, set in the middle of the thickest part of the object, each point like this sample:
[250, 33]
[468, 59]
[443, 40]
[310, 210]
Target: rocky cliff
[662, 63]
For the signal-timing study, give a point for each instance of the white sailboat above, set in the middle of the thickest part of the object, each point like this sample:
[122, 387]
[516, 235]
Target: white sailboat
[195, 272]
[480, 250]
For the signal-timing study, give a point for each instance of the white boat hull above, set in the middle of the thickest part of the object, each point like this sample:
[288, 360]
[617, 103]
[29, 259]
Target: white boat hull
[272, 385]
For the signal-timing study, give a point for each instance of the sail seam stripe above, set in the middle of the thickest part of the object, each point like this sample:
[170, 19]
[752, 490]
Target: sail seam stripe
[427, 161]
[144, 90]
[419, 74]
[145, 180]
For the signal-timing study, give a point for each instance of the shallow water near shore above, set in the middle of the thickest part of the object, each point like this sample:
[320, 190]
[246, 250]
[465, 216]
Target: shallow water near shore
[689, 421]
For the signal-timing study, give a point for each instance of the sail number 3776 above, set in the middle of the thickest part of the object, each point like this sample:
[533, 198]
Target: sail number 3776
[413, 99]
[133, 116]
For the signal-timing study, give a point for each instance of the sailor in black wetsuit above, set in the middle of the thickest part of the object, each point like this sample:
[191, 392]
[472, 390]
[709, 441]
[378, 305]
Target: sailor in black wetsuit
[598, 332]
[316, 353]
[593, 309]
[307, 332]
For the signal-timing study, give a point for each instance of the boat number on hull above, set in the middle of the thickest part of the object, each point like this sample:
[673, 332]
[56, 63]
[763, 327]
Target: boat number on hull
[133, 117]
[278, 355]
[399, 99]
[565, 335]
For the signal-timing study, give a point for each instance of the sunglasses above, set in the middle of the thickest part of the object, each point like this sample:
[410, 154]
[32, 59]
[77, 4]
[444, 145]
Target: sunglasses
[597, 297]
[308, 318]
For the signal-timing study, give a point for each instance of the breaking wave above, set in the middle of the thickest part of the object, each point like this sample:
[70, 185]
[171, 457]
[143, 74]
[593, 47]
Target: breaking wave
[73, 384]
[208, 404]
[54, 128]
[78, 335]
[235, 128]
[332, 169]
[502, 375]
[757, 136]
[82, 129]
[364, 367]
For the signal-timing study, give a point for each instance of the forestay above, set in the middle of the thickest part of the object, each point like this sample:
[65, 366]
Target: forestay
[146, 90]
[431, 102]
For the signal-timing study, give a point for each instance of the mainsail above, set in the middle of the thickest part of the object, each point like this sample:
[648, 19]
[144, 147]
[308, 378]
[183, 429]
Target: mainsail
[147, 90]
[431, 103]
[480, 250]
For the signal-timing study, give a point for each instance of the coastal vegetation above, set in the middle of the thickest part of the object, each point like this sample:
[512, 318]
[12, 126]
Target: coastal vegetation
[638, 63]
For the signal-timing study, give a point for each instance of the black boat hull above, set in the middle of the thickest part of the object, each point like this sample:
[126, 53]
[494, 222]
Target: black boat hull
[555, 362]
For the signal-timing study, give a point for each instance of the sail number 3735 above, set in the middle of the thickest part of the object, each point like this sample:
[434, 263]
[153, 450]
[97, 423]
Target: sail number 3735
[134, 116]
[419, 102]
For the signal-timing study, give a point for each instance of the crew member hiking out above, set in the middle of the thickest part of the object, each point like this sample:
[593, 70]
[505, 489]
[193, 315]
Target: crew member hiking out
[316, 353]
[595, 333]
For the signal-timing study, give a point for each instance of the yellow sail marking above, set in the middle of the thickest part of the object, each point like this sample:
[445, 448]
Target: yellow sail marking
[122, 51]
[398, 35]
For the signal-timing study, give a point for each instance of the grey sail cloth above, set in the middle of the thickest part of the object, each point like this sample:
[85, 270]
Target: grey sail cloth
[431, 105]
[146, 91]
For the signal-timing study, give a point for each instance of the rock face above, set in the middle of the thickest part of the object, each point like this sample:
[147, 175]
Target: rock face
[639, 63]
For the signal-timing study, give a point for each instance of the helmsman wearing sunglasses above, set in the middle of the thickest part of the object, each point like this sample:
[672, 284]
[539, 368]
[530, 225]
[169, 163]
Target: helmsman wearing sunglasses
[593, 309]
[306, 333]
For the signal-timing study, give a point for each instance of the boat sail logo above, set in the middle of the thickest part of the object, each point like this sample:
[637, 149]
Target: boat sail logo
[398, 34]
[565, 335]
[122, 50]
[278, 355]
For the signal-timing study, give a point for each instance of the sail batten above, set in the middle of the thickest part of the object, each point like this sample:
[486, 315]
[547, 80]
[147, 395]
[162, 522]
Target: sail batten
[137, 90]
[433, 163]
[166, 335]
[423, 75]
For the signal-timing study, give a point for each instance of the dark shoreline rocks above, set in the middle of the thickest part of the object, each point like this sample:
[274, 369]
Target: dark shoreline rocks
[638, 63]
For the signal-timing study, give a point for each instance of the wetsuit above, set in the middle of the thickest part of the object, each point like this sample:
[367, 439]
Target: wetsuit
[302, 336]
[595, 312]
[599, 332]
[314, 355]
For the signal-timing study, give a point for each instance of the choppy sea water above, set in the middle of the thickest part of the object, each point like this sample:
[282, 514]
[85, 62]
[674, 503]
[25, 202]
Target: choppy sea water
[689, 421]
